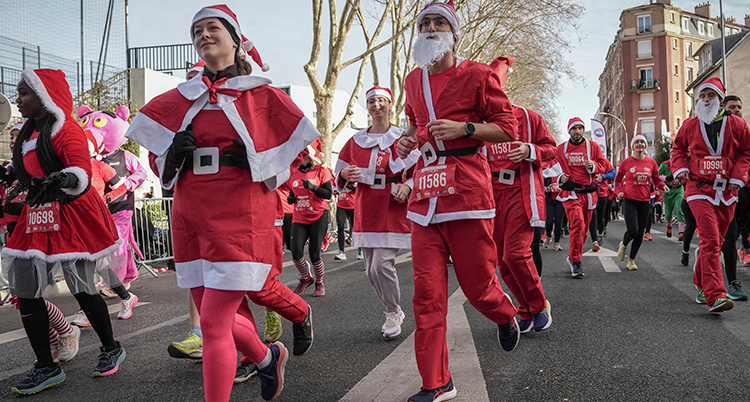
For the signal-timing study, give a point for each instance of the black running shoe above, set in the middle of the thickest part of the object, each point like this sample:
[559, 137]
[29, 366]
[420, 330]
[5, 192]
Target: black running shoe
[508, 335]
[245, 371]
[272, 376]
[109, 360]
[39, 378]
[303, 334]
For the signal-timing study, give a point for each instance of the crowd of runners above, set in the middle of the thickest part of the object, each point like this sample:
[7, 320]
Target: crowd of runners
[473, 183]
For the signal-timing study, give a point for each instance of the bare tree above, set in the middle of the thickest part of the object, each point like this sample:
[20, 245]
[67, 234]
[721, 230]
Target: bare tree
[339, 27]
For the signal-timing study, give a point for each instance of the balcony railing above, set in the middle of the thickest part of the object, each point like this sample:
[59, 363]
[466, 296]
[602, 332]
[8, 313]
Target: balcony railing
[643, 84]
[163, 58]
[646, 108]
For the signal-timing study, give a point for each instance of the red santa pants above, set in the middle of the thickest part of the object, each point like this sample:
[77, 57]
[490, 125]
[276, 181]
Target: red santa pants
[579, 217]
[513, 236]
[469, 243]
[712, 222]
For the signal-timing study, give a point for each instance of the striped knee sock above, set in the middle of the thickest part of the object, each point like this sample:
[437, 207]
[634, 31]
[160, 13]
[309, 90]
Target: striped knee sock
[301, 265]
[54, 338]
[57, 320]
[319, 268]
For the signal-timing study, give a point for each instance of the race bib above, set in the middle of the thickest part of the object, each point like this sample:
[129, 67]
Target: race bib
[381, 162]
[576, 158]
[20, 198]
[303, 203]
[713, 164]
[642, 179]
[500, 150]
[44, 218]
[436, 181]
[343, 196]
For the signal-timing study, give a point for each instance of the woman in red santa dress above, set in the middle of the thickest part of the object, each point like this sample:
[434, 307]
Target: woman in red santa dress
[633, 185]
[310, 190]
[370, 162]
[63, 224]
[224, 140]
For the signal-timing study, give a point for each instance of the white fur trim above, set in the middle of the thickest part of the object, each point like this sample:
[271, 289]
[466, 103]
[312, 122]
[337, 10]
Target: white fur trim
[381, 240]
[638, 137]
[576, 123]
[27, 146]
[737, 182]
[36, 85]
[208, 12]
[380, 92]
[83, 180]
[150, 134]
[454, 216]
[680, 170]
[265, 67]
[233, 275]
[709, 85]
[38, 254]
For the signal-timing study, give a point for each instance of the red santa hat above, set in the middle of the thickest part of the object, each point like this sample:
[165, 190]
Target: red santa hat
[715, 84]
[576, 121]
[223, 12]
[53, 91]
[638, 137]
[376, 90]
[18, 125]
[447, 10]
[315, 150]
[503, 65]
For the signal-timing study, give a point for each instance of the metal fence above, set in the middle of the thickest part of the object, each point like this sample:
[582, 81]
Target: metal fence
[163, 58]
[153, 232]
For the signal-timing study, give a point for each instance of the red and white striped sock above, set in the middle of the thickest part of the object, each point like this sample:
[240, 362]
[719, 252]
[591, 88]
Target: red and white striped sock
[302, 268]
[54, 338]
[57, 320]
[319, 268]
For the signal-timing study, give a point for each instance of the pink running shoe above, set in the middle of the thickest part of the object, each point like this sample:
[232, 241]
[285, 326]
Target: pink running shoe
[320, 289]
[303, 284]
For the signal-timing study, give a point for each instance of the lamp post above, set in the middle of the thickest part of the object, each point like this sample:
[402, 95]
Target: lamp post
[625, 130]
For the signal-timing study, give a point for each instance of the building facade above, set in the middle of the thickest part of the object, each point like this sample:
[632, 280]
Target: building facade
[648, 67]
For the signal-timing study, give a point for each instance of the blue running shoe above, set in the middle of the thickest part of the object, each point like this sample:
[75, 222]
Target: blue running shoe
[524, 326]
[735, 291]
[109, 360]
[444, 393]
[272, 376]
[543, 320]
[39, 378]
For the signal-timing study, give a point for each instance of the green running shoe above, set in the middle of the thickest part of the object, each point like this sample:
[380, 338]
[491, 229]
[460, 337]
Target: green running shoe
[701, 298]
[721, 304]
[273, 329]
[621, 252]
[190, 348]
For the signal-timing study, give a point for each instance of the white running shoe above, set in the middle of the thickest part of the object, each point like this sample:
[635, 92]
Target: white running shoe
[547, 242]
[393, 321]
[558, 247]
[341, 256]
[126, 308]
[81, 320]
[68, 346]
[359, 254]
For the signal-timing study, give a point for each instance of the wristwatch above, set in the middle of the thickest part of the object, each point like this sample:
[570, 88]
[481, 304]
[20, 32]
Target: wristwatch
[470, 129]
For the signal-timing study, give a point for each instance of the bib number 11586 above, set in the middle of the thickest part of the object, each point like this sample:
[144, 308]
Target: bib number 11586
[436, 181]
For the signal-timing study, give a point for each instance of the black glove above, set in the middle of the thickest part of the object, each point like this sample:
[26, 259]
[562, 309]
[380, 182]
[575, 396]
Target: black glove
[670, 178]
[58, 180]
[182, 143]
[47, 189]
[238, 156]
[306, 184]
[291, 198]
[8, 178]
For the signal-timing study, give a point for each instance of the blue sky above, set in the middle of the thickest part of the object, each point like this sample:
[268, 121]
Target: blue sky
[282, 32]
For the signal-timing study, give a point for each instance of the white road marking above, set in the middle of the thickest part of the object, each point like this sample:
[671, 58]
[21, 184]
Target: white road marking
[609, 264]
[606, 257]
[396, 378]
[20, 333]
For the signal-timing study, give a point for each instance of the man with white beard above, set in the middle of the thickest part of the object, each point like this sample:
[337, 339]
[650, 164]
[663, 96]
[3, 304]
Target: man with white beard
[718, 145]
[454, 107]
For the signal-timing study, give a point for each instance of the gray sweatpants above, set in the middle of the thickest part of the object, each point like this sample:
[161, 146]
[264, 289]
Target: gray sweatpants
[381, 271]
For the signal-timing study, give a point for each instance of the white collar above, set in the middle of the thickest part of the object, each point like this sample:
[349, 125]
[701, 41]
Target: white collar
[383, 141]
[194, 88]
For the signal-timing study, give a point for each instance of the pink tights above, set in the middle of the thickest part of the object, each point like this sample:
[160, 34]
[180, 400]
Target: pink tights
[224, 332]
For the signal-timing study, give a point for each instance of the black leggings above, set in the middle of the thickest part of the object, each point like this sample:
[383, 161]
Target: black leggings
[287, 231]
[598, 221]
[342, 214]
[535, 249]
[36, 323]
[650, 219]
[637, 215]
[690, 225]
[555, 215]
[315, 231]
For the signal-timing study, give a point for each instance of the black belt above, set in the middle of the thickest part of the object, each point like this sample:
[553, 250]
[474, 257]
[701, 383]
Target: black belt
[458, 152]
[517, 171]
[392, 179]
[224, 160]
[674, 186]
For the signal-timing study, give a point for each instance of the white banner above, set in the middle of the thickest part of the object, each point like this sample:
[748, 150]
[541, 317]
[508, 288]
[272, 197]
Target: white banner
[599, 135]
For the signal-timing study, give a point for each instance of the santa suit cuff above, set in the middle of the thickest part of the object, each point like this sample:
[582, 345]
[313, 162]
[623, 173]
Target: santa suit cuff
[532, 153]
[410, 182]
[737, 182]
[161, 163]
[83, 180]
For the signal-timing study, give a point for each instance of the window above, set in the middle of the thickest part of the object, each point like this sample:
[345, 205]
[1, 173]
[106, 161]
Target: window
[689, 74]
[644, 24]
[671, 17]
[688, 49]
[711, 30]
[677, 70]
[674, 43]
[647, 101]
[648, 128]
[646, 76]
[644, 48]
[702, 28]
[676, 96]
[685, 23]
[678, 122]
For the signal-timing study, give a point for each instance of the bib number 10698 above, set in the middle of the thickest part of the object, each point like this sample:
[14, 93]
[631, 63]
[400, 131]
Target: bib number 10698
[44, 218]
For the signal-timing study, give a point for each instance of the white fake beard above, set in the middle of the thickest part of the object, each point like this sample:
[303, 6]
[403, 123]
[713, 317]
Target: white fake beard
[707, 112]
[431, 47]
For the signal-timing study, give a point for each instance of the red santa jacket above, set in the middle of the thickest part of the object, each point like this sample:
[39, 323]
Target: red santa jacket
[571, 157]
[733, 150]
[533, 131]
[473, 94]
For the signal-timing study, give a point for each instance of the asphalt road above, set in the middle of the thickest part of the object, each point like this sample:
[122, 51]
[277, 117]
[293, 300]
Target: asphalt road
[616, 336]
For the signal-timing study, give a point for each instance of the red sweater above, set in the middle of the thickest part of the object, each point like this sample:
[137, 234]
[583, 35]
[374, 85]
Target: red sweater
[634, 178]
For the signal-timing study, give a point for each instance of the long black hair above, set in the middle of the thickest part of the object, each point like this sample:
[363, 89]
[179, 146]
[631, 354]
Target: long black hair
[45, 151]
